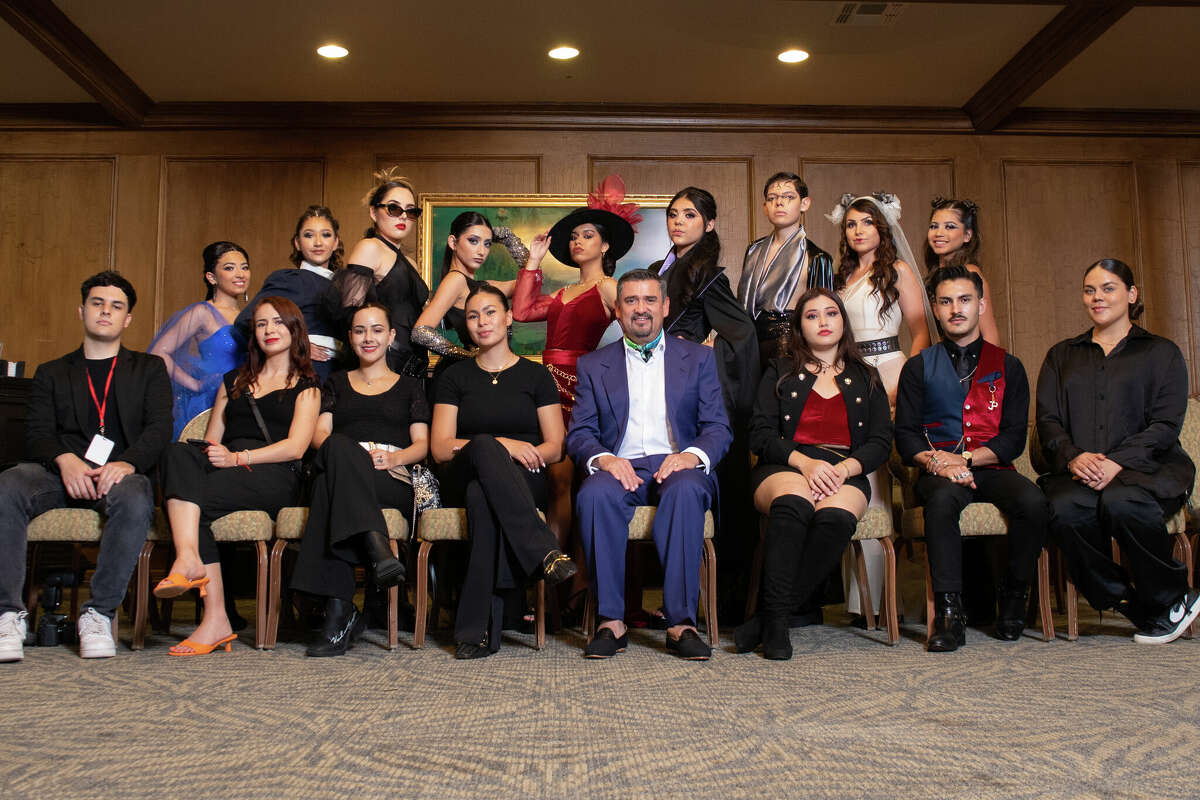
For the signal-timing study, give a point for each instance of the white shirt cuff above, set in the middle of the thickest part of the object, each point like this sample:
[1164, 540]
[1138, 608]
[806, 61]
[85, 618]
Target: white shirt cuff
[592, 470]
[700, 454]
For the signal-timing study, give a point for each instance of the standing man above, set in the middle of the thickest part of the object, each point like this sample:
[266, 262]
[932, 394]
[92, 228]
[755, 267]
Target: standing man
[962, 408]
[98, 420]
[650, 427]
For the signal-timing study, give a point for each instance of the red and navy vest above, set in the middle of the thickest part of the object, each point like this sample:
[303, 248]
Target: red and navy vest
[953, 410]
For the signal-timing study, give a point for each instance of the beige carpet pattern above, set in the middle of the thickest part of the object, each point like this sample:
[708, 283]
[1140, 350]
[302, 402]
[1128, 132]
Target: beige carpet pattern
[847, 717]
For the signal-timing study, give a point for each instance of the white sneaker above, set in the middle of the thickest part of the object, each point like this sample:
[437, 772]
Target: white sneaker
[12, 635]
[95, 635]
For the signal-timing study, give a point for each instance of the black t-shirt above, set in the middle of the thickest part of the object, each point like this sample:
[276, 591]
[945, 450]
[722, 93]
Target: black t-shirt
[98, 370]
[507, 408]
[381, 417]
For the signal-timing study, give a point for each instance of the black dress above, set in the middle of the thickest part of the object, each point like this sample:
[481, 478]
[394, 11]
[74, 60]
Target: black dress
[509, 541]
[348, 492]
[187, 474]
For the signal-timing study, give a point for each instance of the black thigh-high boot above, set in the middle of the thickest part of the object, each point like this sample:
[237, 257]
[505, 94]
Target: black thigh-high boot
[788, 522]
[828, 536]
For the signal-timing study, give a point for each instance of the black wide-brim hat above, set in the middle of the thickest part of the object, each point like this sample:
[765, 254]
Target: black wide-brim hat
[618, 233]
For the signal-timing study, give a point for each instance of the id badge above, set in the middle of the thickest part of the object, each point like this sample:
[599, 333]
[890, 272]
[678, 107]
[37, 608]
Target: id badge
[99, 450]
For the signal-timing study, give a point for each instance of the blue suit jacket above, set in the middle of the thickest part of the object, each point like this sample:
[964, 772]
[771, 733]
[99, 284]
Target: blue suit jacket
[695, 408]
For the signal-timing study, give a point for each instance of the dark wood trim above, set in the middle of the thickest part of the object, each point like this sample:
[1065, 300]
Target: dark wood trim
[50, 31]
[1102, 122]
[1062, 39]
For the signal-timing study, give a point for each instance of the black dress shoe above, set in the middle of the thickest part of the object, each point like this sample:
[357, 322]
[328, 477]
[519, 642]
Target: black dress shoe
[1010, 618]
[557, 567]
[748, 635]
[606, 644]
[467, 650]
[777, 641]
[689, 646]
[949, 623]
[343, 625]
[385, 567]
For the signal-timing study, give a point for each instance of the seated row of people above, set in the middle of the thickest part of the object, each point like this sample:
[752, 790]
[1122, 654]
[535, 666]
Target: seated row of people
[649, 425]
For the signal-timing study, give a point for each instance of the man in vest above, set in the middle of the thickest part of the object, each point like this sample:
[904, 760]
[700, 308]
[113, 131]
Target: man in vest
[962, 410]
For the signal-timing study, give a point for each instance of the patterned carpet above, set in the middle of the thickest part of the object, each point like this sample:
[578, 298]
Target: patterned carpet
[847, 717]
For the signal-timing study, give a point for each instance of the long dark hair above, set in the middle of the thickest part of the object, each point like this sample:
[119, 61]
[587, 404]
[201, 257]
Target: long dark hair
[211, 255]
[385, 181]
[299, 358]
[466, 219]
[317, 212]
[968, 216]
[1121, 270]
[703, 257]
[608, 264]
[883, 272]
[800, 350]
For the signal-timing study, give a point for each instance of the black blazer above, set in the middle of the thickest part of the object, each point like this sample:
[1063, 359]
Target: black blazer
[776, 415]
[58, 409]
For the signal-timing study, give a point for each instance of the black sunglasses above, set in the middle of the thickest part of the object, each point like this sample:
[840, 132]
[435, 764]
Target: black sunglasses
[397, 210]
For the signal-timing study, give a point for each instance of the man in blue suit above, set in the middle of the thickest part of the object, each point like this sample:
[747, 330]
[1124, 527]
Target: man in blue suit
[649, 426]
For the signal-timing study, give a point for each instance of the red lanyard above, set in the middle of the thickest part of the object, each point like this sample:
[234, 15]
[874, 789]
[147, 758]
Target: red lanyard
[100, 406]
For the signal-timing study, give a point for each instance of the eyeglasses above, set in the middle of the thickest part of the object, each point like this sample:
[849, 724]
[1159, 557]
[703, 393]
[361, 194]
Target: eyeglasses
[396, 210]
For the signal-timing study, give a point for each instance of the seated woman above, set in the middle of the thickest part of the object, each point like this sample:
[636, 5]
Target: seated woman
[373, 425]
[496, 426]
[261, 425]
[1110, 403]
[821, 424]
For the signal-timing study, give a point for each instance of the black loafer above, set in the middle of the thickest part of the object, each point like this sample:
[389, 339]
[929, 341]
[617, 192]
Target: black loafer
[557, 567]
[606, 644]
[689, 646]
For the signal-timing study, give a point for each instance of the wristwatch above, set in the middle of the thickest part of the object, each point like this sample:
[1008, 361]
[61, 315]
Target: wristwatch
[967, 456]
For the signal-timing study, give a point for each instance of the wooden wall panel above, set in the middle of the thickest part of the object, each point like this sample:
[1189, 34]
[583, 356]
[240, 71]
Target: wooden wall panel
[1189, 182]
[254, 202]
[1161, 269]
[1061, 216]
[728, 178]
[56, 229]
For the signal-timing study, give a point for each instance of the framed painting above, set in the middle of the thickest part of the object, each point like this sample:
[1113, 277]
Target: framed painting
[528, 215]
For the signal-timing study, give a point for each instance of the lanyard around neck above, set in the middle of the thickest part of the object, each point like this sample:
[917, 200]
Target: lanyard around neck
[101, 405]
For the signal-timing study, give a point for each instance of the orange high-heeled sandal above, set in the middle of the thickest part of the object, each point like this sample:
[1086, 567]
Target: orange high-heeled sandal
[197, 649]
[177, 583]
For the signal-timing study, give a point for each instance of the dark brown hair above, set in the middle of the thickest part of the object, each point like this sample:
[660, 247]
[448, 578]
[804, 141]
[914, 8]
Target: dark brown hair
[801, 352]
[1122, 271]
[317, 212]
[299, 360]
[968, 215]
[703, 256]
[883, 272]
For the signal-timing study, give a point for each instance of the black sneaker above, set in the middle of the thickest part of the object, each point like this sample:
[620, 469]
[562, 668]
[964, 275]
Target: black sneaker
[606, 644]
[1171, 625]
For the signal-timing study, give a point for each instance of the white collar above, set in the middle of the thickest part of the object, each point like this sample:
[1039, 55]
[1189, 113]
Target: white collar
[327, 274]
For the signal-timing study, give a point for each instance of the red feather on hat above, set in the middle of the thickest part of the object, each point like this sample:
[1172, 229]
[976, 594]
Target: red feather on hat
[609, 196]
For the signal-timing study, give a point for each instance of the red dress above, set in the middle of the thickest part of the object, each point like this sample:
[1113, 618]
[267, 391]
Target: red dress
[572, 329]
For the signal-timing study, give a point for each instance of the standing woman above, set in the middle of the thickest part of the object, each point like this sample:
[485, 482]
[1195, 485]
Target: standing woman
[1110, 404]
[374, 424]
[953, 241]
[379, 272]
[243, 464]
[882, 288]
[821, 424]
[197, 343]
[496, 426]
[316, 257]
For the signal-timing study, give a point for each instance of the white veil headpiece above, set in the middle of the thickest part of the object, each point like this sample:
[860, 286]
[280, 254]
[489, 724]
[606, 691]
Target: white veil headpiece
[889, 207]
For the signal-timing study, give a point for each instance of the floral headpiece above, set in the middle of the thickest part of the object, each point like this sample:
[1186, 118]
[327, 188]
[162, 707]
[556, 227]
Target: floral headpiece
[609, 196]
[888, 203]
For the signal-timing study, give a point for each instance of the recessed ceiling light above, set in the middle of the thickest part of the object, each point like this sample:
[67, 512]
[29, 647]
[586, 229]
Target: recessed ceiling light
[563, 53]
[793, 56]
[337, 51]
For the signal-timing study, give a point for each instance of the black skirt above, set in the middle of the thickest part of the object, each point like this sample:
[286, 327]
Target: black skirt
[763, 471]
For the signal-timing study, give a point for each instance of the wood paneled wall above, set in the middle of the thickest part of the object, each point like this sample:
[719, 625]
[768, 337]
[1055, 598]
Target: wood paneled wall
[73, 203]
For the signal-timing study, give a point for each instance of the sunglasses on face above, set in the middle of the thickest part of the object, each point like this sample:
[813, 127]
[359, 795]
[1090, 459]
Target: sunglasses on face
[396, 210]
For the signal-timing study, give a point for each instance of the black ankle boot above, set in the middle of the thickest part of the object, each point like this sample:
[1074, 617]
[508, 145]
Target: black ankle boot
[777, 643]
[949, 624]
[748, 635]
[386, 568]
[1012, 602]
[557, 567]
[343, 624]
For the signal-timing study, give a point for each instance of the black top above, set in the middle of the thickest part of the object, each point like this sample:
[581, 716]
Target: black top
[777, 411]
[277, 409]
[507, 408]
[375, 418]
[1007, 444]
[1128, 405]
[98, 370]
[456, 318]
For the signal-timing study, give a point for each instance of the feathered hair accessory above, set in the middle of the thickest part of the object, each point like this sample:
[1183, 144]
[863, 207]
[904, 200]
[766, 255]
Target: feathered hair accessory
[887, 202]
[610, 196]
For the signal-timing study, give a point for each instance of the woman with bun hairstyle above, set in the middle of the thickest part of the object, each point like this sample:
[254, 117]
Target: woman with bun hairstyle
[953, 240]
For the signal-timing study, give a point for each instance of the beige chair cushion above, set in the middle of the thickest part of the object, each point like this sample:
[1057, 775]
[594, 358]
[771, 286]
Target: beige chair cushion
[196, 426]
[642, 524]
[875, 524]
[440, 524]
[65, 525]
[243, 526]
[290, 522]
[1189, 437]
[977, 519]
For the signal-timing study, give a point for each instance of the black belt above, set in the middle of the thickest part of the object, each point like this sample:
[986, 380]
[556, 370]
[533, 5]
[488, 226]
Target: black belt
[879, 347]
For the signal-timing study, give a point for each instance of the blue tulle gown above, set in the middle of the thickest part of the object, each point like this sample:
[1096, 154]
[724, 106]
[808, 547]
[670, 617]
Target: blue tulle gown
[198, 346]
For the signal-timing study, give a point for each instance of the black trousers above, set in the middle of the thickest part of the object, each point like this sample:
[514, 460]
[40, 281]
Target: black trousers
[348, 494]
[1019, 500]
[187, 475]
[1082, 523]
[509, 541]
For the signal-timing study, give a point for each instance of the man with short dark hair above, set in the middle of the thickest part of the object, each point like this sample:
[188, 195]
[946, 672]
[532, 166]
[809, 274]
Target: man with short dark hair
[649, 426]
[97, 422]
[962, 410]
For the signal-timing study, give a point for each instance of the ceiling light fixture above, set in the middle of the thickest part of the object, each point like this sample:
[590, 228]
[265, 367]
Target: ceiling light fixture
[563, 53]
[793, 56]
[333, 51]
